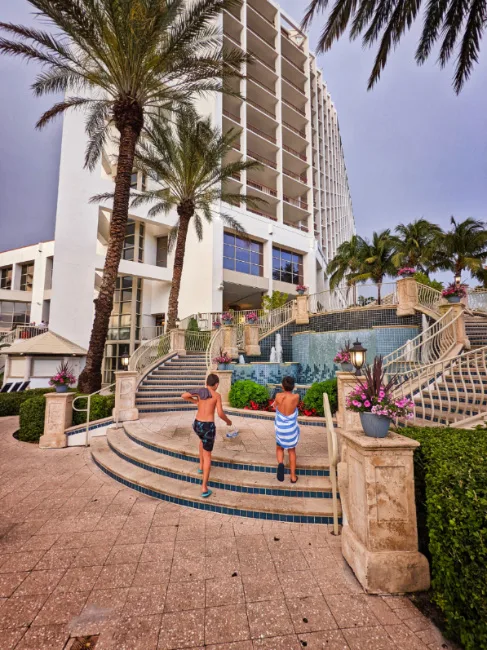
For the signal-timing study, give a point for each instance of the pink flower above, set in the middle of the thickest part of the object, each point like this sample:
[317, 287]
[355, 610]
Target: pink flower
[356, 403]
[367, 403]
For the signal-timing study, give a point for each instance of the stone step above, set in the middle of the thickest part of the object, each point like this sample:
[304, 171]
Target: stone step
[244, 482]
[171, 382]
[159, 408]
[255, 506]
[143, 401]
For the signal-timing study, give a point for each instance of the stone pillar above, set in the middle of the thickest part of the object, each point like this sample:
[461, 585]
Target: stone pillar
[346, 382]
[461, 332]
[407, 296]
[230, 341]
[380, 537]
[302, 310]
[178, 342]
[251, 339]
[225, 377]
[58, 418]
[125, 390]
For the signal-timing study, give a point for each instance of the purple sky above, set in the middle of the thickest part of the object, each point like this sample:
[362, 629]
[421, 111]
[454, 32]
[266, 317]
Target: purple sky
[413, 148]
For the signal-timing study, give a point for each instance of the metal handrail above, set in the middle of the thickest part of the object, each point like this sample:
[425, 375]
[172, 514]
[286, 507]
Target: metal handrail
[213, 348]
[261, 108]
[429, 297]
[22, 332]
[262, 134]
[301, 111]
[196, 341]
[262, 188]
[292, 151]
[270, 90]
[332, 458]
[262, 159]
[477, 300]
[300, 132]
[149, 352]
[87, 410]
[298, 203]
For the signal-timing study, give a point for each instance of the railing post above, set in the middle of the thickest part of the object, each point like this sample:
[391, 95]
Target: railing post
[125, 390]
[302, 310]
[407, 297]
[251, 340]
[379, 535]
[177, 342]
[58, 418]
[346, 382]
[459, 324]
[230, 341]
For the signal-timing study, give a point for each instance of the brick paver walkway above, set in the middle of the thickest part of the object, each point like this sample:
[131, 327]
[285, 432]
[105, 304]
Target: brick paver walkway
[80, 555]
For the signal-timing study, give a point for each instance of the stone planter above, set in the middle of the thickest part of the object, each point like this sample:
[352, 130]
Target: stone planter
[453, 299]
[62, 389]
[375, 426]
[347, 367]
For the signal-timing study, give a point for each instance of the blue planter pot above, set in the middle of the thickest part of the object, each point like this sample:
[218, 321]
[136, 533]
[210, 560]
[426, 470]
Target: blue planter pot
[375, 426]
[347, 367]
[224, 366]
[228, 322]
[301, 293]
[453, 299]
[61, 389]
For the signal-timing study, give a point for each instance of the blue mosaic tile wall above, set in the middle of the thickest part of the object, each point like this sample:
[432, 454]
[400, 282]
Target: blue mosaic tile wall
[391, 338]
[265, 373]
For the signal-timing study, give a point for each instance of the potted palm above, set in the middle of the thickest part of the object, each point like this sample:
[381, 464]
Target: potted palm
[454, 292]
[343, 358]
[223, 361]
[63, 378]
[374, 400]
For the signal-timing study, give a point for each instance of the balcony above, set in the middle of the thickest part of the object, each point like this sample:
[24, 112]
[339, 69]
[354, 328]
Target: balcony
[262, 26]
[232, 26]
[295, 153]
[232, 116]
[261, 213]
[301, 132]
[262, 159]
[259, 190]
[296, 202]
[264, 9]
[299, 225]
[262, 134]
[270, 112]
[294, 107]
[268, 84]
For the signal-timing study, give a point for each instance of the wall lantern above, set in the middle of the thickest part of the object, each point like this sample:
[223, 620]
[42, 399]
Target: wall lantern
[125, 362]
[357, 357]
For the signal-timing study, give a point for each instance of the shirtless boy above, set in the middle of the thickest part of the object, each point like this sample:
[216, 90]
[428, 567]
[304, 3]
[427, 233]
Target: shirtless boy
[287, 427]
[204, 425]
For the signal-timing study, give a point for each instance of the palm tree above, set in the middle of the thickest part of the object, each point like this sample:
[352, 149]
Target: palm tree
[120, 61]
[463, 248]
[415, 244]
[378, 260]
[450, 21]
[347, 263]
[186, 160]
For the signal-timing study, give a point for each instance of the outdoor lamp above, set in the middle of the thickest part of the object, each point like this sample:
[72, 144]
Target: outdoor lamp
[125, 362]
[458, 278]
[357, 356]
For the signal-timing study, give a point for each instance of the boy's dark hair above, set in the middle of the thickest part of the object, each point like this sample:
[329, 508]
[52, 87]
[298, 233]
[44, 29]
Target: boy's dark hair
[212, 380]
[288, 383]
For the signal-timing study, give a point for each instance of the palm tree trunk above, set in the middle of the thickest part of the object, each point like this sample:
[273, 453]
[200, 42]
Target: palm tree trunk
[90, 379]
[185, 212]
[379, 287]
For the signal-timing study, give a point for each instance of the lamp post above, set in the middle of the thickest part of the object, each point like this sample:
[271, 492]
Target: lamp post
[357, 357]
[458, 278]
[125, 362]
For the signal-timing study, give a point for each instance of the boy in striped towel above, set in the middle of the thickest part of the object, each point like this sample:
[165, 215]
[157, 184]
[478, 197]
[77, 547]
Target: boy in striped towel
[287, 427]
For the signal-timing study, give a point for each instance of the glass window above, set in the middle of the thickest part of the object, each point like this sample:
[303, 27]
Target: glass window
[26, 277]
[242, 255]
[6, 277]
[161, 255]
[287, 266]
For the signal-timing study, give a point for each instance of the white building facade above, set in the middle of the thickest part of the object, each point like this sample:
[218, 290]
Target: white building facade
[288, 123]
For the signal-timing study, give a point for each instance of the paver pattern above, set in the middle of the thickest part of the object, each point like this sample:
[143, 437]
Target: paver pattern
[81, 555]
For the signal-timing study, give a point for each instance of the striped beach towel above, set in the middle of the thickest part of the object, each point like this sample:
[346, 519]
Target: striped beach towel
[287, 429]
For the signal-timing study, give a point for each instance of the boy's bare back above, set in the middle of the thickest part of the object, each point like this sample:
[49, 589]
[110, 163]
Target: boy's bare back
[207, 408]
[287, 402]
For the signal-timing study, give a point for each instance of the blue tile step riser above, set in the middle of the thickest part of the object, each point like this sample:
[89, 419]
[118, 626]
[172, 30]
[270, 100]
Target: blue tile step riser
[219, 485]
[268, 469]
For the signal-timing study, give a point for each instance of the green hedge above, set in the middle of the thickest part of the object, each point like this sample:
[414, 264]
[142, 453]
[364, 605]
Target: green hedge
[101, 407]
[245, 391]
[451, 490]
[10, 402]
[314, 396]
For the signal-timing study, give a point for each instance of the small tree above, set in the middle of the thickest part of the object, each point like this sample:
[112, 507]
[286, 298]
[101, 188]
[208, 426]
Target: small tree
[274, 301]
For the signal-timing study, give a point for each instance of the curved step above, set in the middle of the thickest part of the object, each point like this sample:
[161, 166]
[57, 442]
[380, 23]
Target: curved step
[247, 482]
[255, 506]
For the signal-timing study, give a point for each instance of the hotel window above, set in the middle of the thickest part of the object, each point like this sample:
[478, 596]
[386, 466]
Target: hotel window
[14, 313]
[6, 277]
[133, 245]
[244, 256]
[161, 255]
[287, 266]
[26, 277]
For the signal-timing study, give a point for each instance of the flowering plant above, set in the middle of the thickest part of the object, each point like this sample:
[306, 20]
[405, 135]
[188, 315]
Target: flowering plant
[222, 358]
[455, 289]
[63, 376]
[375, 395]
[227, 317]
[251, 317]
[301, 287]
[406, 270]
[217, 323]
[270, 408]
[343, 355]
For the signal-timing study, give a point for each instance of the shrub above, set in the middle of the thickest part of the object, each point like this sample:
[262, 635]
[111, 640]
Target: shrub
[422, 278]
[193, 325]
[32, 413]
[101, 407]
[451, 493]
[314, 396]
[245, 391]
[10, 402]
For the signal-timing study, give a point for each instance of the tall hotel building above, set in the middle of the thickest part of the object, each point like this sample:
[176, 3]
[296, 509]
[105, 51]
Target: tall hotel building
[288, 123]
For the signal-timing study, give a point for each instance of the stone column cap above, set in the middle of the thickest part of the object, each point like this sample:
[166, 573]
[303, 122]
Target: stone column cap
[393, 440]
[126, 373]
[68, 395]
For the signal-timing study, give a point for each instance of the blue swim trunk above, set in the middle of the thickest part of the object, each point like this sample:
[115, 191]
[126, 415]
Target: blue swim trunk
[206, 432]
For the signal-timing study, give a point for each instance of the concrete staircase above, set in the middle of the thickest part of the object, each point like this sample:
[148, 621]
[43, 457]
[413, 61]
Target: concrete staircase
[161, 389]
[476, 328]
[164, 468]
